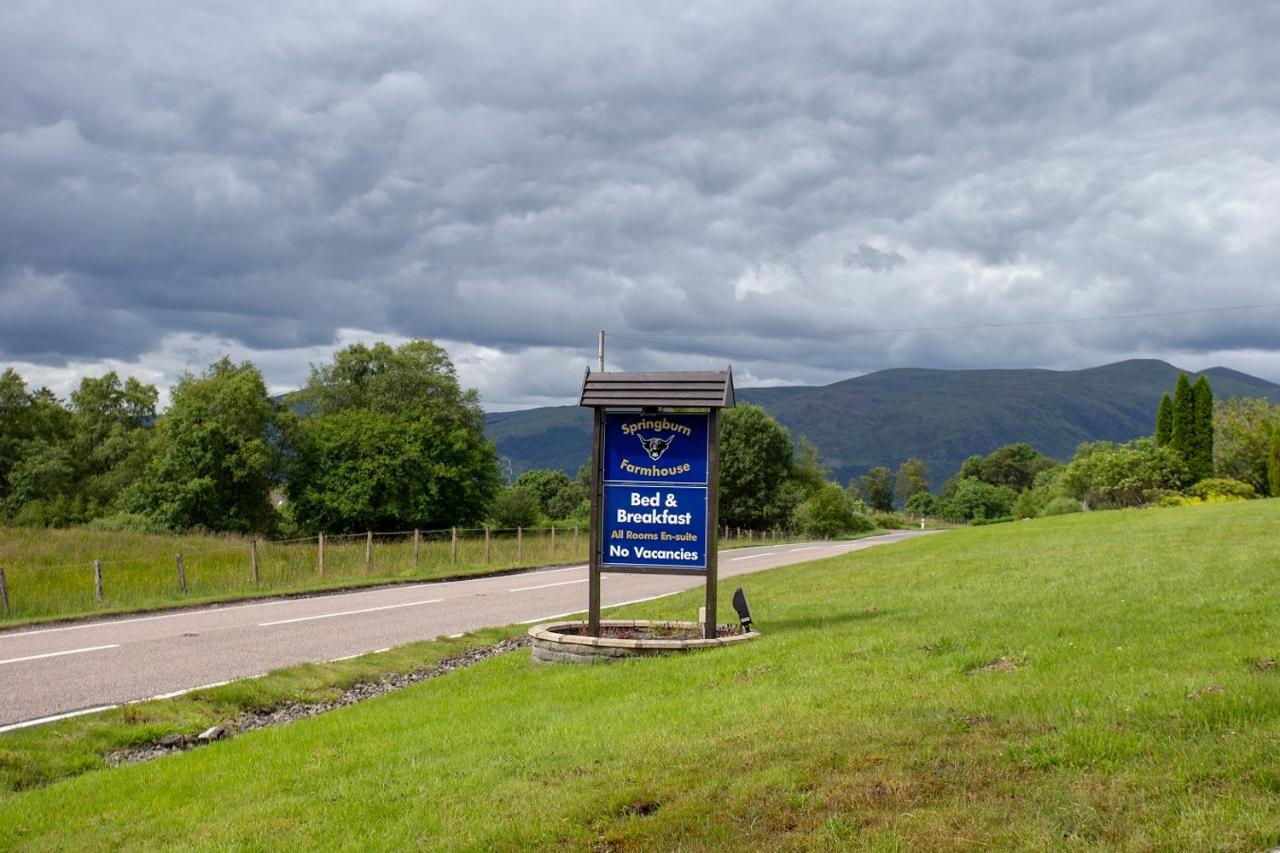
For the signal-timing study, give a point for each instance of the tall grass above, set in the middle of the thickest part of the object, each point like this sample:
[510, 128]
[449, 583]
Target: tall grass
[50, 573]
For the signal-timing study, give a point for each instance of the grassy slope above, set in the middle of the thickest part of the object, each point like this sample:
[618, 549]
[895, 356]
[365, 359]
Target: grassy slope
[941, 416]
[1096, 680]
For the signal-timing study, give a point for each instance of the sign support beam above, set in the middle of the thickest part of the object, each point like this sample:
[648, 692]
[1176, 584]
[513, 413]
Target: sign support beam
[713, 543]
[597, 496]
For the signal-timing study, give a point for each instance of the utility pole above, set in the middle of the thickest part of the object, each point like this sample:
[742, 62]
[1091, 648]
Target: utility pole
[600, 350]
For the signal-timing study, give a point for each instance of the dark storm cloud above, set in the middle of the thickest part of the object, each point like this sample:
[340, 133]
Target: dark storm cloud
[512, 177]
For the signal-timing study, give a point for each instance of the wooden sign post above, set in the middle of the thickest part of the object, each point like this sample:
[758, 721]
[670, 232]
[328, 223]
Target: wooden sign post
[654, 483]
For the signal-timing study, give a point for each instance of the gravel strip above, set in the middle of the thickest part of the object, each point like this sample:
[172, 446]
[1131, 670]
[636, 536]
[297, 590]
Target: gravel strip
[287, 713]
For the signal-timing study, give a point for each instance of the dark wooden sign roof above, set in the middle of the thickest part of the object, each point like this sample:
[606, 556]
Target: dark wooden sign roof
[707, 389]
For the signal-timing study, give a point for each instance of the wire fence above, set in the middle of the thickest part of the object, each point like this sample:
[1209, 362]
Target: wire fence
[254, 567]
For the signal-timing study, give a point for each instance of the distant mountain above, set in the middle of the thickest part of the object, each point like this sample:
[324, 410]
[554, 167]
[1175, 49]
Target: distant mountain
[941, 416]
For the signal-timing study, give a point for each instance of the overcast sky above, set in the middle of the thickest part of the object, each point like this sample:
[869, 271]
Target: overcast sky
[738, 182]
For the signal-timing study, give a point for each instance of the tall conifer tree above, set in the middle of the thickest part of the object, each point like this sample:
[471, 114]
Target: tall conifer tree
[1164, 421]
[1273, 464]
[1183, 436]
[1201, 461]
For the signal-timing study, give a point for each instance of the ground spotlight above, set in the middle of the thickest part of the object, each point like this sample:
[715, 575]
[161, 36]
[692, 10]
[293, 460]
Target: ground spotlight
[744, 612]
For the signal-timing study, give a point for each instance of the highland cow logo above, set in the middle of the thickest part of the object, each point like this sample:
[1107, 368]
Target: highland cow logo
[655, 447]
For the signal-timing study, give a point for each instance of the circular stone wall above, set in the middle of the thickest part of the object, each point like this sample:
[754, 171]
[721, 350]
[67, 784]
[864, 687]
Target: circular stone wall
[556, 642]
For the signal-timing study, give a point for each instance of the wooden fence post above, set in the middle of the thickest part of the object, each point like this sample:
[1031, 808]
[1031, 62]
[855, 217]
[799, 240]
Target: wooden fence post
[553, 541]
[182, 575]
[368, 551]
[453, 546]
[486, 545]
[417, 542]
[97, 580]
[519, 544]
[4, 592]
[253, 558]
[320, 554]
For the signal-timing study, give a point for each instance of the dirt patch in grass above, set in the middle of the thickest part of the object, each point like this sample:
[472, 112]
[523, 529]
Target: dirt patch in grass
[1004, 663]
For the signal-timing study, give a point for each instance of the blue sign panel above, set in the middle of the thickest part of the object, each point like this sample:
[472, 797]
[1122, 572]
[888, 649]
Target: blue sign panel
[664, 448]
[655, 526]
[655, 491]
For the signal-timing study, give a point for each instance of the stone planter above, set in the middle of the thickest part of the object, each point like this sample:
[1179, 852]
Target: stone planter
[557, 642]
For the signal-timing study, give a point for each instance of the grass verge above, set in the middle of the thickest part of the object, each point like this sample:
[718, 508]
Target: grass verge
[1103, 680]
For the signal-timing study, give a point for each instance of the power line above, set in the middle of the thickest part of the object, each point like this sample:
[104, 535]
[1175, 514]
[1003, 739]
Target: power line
[969, 326]
[727, 354]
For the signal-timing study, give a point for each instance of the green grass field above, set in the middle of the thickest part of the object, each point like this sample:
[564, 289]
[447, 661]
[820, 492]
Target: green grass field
[50, 573]
[1101, 681]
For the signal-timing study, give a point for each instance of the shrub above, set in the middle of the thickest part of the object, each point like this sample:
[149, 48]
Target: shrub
[515, 506]
[1220, 487]
[1107, 475]
[978, 522]
[975, 499]
[889, 521]
[126, 522]
[1060, 505]
[922, 503]
[829, 513]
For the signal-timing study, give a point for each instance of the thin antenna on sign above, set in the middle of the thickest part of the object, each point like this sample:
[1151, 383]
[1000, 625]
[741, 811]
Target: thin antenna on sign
[600, 350]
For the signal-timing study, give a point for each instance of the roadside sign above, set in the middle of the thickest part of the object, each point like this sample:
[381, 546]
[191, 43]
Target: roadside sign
[654, 477]
[655, 491]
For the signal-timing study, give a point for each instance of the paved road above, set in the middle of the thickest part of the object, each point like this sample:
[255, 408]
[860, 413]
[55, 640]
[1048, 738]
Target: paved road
[70, 668]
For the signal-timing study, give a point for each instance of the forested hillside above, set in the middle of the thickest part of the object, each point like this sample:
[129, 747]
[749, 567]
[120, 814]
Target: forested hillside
[940, 416]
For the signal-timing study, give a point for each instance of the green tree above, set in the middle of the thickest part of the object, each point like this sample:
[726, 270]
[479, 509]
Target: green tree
[828, 512]
[1273, 464]
[415, 375]
[808, 473]
[1242, 428]
[546, 484]
[573, 501]
[1014, 465]
[111, 439]
[1183, 436]
[755, 469]
[970, 468]
[1164, 420]
[922, 504]
[214, 463]
[514, 506]
[31, 422]
[976, 499]
[876, 487]
[389, 439]
[1105, 475]
[1201, 460]
[912, 478]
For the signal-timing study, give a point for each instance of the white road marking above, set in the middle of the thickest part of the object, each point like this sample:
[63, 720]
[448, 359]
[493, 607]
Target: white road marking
[805, 548]
[558, 571]
[548, 585]
[53, 719]
[60, 654]
[349, 612]
[748, 557]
